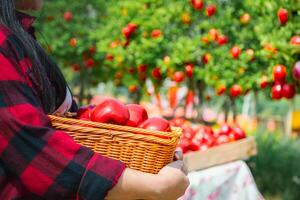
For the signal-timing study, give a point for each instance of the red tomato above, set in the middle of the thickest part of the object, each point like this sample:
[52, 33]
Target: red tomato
[211, 10]
[68, 16]
[110, 111]
[282, 16]
[223, 39]
[235, 52]
[279, 73]
[288, 91]
[156, 123]
[137, 115]
[178, 77]
[235, 90]
[277, 91]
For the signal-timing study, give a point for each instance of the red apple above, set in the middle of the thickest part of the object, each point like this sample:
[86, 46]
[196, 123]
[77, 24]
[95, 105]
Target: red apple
[178, 77]
[137, 114]
[213, 34]
[221, 90]
[110, 111]
[279, 73]
[277, 91]
[235, 90]
[68, 16]
[282, 16]
[156, 33]
[189, 70]
[156, 123]
[85, 112]
[263, 82]
[295, 40]
[225, 129]
[126, 31]
[197, 4]
[245, 18]
[222, 139]
[211, 10]
[288, 91]
[223, 39]
[206, 58]
[238, 133]
[156, 74]
[250, 53]
[235, 52]
[296, 71]
[89, 63]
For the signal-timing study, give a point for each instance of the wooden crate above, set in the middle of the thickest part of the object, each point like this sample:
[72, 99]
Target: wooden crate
[221, 154]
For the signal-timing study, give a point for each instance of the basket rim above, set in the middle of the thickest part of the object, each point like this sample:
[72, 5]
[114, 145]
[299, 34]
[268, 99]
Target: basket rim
[118, 130]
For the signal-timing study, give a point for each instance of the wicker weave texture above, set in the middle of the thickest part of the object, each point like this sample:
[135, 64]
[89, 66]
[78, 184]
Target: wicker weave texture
[141, 149]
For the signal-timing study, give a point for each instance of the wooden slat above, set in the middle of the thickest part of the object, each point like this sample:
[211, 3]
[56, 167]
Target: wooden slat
[221, 154]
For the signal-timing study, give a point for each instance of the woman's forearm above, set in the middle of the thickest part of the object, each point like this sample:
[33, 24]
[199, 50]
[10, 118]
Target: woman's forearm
[134, 185]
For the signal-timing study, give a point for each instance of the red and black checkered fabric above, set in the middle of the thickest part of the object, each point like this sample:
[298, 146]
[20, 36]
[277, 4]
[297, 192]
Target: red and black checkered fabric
[37, 161]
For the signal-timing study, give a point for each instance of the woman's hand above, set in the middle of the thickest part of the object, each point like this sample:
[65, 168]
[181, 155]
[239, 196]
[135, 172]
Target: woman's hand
[172, 182]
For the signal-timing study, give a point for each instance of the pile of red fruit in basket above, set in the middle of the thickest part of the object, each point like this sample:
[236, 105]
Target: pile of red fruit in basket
[113, 111]
[200, 137]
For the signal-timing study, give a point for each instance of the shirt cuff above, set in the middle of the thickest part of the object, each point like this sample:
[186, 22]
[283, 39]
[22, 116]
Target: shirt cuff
[101, 175]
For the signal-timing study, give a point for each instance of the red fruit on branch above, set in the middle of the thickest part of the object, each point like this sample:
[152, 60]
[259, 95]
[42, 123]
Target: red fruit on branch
[132, 88]
[213, 34]
[235, 90]
[296, 71]
[288, 91]
[223, 39]
[263, 82]
[73, 42]
[132, 26]
[110, 111]
[197, 4]
[221, 90]
[85, 112]
[68, 16]
[277, 91]
[211, 10]
[235, 52]
[283, 16]
[178, 77]
[137, 115]
[89, 63]
[76, 67]
[156, 123]
[295, 40]
[189, 70]
[156, 33]
[279, 73]
[142, 69]
[245, 18]
[109, 57]
[206, 58]
[156, 73]
[126, 31]
[92, 49]
[250, 53]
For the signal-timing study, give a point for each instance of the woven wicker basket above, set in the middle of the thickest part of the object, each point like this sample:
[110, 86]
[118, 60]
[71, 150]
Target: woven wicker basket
[141, 149]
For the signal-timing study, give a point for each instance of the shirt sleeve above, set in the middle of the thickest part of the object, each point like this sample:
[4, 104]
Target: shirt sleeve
[48, 162]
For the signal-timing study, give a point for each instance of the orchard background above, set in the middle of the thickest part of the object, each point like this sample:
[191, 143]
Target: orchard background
[233, 57]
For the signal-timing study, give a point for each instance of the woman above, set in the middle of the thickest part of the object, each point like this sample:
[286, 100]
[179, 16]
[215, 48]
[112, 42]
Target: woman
[39, 162]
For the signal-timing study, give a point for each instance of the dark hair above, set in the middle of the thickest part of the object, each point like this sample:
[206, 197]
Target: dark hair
[49, 80]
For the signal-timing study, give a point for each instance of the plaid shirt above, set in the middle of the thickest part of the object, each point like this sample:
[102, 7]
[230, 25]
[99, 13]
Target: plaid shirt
[37, 161]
